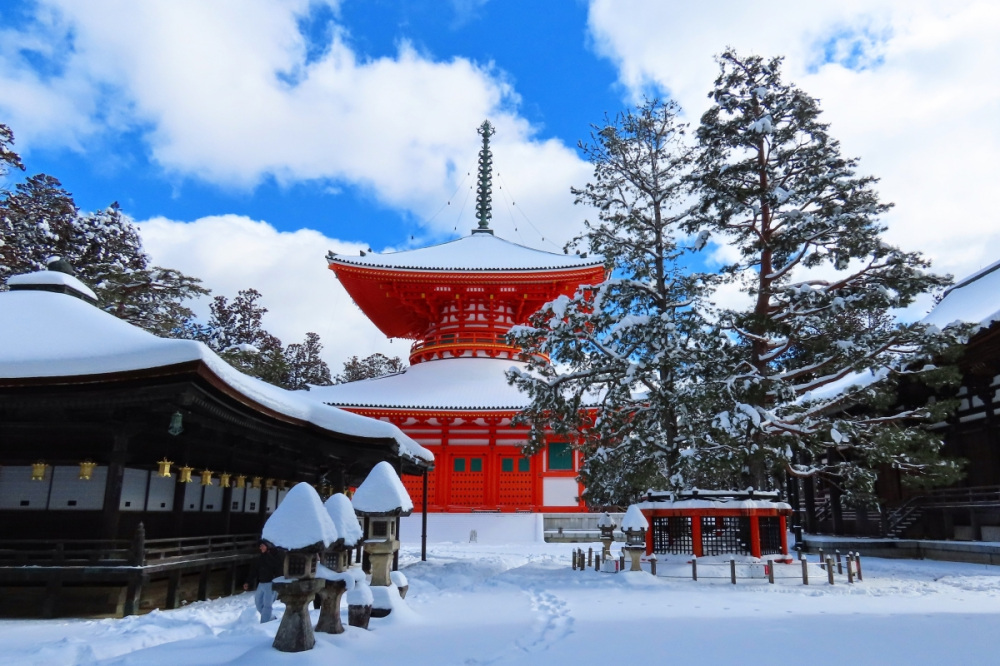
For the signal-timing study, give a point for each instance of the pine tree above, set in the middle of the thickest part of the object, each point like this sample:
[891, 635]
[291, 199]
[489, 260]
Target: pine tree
[822, 281]
[40, 221]
[236, 332]
[305, 367]
[8, 158]
[624, 353]
[369, 367]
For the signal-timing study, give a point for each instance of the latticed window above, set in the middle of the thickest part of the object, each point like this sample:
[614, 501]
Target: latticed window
[722, 535]
[770, 535]
[297, 565]
[672, 535]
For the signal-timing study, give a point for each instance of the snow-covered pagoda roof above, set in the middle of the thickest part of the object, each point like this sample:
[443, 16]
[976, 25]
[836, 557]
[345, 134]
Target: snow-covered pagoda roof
[974, 300]
[458, 384]
[53, 335]
[477, 252]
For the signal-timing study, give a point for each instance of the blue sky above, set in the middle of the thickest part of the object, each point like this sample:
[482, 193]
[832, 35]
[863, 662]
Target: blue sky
[248, 137]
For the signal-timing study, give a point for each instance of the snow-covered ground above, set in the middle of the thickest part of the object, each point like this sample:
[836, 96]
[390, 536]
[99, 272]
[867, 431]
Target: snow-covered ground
[522, 604]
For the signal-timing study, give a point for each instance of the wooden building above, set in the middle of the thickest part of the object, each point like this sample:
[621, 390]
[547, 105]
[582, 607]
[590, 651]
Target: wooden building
[140, 470]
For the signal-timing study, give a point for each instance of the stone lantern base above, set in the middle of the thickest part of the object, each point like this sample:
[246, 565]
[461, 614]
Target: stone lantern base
[380, 553]
[635, 553]
[295, 633]
[329, 615]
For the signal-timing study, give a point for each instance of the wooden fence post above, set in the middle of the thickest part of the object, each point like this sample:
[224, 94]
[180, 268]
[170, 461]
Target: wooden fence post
[694, 568]
[770, 572]
[590, 556]
[850, 572]
[829, 570]
[840, 564]
[574, 559]
[805, 570]
[857, 561]
[732, 570]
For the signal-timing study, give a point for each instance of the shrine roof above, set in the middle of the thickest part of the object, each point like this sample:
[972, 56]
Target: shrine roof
[448, 384]
[54, 335]
[477, 252]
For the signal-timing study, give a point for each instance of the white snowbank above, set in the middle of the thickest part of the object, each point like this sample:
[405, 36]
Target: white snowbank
[300, 520]
[382, 492]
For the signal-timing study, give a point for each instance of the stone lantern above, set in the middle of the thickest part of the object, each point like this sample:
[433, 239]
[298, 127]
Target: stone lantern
[634, 525]
[607, 526]
[382, 498]
[301, 527]
[337, 559]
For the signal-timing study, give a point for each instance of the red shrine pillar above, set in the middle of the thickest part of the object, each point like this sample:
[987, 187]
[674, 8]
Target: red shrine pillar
[755, 536]
[696, 546]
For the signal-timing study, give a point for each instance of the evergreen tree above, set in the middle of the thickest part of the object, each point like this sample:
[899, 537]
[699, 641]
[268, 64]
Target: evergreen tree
[235, 331]
[369, 367]
[40, 220]
[8, 158]
[822, 281]
[305, 367]
[624, 353]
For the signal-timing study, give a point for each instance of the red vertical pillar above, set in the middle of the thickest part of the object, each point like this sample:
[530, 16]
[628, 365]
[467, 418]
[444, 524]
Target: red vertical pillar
[755, 536]
[783, 529]
[649, 532]
[696, 547]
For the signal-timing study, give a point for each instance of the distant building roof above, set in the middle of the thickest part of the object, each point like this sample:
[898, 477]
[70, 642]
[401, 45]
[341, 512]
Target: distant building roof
[477, 252]
[974, 300]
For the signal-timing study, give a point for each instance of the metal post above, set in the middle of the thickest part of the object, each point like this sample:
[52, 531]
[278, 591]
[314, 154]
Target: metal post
[652, 564]
[423, 523]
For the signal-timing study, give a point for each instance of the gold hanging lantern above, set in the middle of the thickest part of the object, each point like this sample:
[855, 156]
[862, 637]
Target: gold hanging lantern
[255, 483]
[87, 470]
[224, 480]
[268, 484]
[164, 468]
[38, 471]
[241, 481]
[184, 474]
[206, 477]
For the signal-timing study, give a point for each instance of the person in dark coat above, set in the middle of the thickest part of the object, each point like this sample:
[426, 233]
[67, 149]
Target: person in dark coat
[268, 566]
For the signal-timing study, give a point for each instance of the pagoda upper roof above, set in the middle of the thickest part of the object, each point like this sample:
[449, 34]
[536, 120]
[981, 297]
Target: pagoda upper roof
[477, 252]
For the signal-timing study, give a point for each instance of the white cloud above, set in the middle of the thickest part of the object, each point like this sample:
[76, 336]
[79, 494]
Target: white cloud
[224, 92]
[233, 252]
[917, 102]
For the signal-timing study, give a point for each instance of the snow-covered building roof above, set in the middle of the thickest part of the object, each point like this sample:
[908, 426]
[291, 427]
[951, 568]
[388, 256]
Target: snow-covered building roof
[40, 279]
[460, 384]
[300, 521]
[382, 493]
[974, 300]
[478, 252]
[53, 335]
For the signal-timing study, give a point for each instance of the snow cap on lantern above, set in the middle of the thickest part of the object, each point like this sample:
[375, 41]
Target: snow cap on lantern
[341, 512]
[301, 522]
[634, 525]
[382, 494]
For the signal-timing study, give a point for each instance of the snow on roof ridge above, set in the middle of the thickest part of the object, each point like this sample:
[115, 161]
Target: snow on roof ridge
[983, 272]
[442, 256]
[51, 278]
[974, 300]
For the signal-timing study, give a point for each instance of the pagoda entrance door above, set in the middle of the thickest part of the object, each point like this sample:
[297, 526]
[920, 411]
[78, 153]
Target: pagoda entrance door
[468, 481]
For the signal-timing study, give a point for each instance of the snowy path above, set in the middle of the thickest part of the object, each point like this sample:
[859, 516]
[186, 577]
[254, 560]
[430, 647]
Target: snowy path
[476, 604]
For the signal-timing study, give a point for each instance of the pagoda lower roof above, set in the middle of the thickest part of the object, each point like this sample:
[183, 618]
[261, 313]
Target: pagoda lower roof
[444, 384]
[477, 252]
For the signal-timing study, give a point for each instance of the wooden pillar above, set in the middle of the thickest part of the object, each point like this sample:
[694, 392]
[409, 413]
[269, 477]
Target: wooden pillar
[755, 536]
[115, 480]
[696, 544]
[809, 493]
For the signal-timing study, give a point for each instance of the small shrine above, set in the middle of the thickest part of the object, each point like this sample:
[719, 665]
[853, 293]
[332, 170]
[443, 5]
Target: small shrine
[711, 522]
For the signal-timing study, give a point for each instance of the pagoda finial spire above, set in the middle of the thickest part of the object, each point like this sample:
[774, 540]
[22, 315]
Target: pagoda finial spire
[484, 194]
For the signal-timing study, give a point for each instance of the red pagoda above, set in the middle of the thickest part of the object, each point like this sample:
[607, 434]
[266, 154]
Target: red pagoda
[456, 301]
